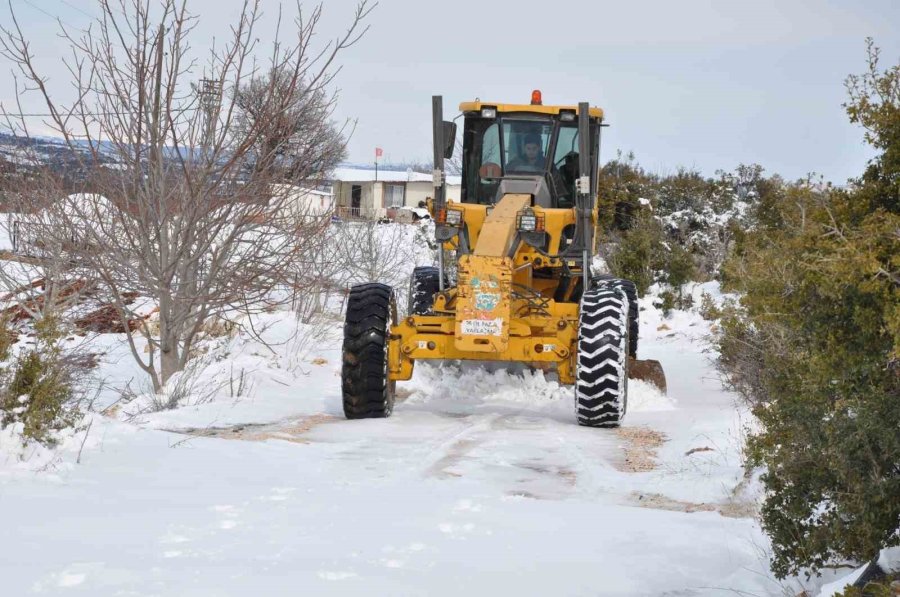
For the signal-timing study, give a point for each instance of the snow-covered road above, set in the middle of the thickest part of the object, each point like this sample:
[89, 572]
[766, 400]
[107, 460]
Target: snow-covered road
[481, 483]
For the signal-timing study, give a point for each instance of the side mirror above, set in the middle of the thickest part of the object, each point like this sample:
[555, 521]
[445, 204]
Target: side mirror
[449, 138]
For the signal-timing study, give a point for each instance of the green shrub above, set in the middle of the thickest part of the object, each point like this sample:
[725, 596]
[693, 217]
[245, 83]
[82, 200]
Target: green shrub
[667, 301]
[675, 264]
[815, 346]
[645, 256]
[7, 337]
[38, 388]
[708, 308]
[635, 256]
[886, 587]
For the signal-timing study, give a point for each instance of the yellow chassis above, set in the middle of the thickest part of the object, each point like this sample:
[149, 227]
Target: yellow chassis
[498, 311]
[541, 341]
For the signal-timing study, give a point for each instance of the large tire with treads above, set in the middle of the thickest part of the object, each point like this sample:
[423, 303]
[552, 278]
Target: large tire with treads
[609, 281]
[601, 373]
[367, 392]
[423, 285]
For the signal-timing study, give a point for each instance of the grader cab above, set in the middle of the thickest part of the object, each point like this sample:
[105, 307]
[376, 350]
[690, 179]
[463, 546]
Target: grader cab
[513, 282]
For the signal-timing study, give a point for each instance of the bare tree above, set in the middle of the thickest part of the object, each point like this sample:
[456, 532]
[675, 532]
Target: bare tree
[186, 216]
[369, 251]
[316, 276]
[38, 280]
[299, 133]
[453, 165]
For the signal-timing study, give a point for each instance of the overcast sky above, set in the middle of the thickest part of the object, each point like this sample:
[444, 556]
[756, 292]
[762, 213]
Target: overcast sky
[701, 84]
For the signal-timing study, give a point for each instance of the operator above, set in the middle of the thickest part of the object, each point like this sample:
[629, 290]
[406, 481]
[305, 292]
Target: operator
[533, 158]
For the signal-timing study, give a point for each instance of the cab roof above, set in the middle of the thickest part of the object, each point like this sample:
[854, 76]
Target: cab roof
[476, 106]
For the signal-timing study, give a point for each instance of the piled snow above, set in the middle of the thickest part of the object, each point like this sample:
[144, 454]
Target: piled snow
[888, 560]
[18, 455]
[646, 397]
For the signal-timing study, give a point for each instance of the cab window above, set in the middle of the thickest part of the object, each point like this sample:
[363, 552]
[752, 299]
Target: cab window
[565, 164]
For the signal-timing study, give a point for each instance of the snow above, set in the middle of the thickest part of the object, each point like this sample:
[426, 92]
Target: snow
[888, 560]
[6, 221]
[481, 482]
[829, 589]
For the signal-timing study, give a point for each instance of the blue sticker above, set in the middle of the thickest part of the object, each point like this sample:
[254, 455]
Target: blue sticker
[486, 301]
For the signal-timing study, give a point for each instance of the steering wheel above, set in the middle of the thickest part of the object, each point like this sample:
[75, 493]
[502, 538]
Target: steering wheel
[490, 170]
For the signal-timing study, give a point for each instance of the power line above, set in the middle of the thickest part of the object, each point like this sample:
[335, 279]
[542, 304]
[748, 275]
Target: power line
[56, 17]
[78, 9]
[79, 113]
[38, 8]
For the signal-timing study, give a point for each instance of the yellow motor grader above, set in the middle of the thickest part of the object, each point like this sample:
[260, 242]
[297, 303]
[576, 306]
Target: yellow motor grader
[518, 287]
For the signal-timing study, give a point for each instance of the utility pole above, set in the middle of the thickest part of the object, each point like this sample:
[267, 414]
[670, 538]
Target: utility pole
[210, 93]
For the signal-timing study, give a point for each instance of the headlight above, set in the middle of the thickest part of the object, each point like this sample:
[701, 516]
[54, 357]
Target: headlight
[527, 221]
[489, 112]
[454, 217]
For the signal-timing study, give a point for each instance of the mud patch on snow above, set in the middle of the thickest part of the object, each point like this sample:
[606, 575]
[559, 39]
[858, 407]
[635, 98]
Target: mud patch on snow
[640, 445]
[728, 509]
[291, 430]
[565, 474]
[455, 453]
[658, 501]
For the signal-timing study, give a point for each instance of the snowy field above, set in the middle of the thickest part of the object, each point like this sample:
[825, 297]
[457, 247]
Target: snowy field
[481, 483]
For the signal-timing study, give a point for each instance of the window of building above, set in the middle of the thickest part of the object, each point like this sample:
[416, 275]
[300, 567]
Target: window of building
[394, 194]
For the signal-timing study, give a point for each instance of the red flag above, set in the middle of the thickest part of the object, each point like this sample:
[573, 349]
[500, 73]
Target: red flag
[378, 152]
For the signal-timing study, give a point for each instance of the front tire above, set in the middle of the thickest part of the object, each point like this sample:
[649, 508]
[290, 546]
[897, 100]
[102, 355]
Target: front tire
[601, 374]
[367, 391]
[608, 281]
[423, 285]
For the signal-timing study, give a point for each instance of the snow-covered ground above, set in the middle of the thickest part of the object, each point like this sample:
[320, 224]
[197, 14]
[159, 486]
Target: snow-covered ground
[480, 483]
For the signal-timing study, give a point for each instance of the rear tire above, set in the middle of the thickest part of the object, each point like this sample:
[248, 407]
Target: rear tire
[367, 391]
[601, 374]
[608, 281]
[423, 285]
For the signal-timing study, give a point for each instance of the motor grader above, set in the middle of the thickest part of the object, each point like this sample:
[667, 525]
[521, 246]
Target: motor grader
[513, 282]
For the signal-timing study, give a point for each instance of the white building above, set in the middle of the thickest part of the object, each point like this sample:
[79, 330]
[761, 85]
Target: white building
[359, 194]
[306, 203]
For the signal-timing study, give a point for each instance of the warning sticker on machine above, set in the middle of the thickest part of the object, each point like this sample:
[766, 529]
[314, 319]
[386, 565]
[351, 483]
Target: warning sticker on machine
[482, 327]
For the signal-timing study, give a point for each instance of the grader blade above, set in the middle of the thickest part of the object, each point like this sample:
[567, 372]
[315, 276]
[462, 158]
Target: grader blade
[649, 370]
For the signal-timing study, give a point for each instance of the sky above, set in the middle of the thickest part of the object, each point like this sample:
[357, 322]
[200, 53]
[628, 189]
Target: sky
[699, 84]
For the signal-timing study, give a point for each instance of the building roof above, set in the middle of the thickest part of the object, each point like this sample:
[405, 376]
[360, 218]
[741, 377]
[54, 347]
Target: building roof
[300, 190]
[368, 175]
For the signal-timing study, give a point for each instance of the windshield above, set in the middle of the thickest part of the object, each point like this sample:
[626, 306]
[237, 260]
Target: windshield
[520, 146]
[525, 144]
